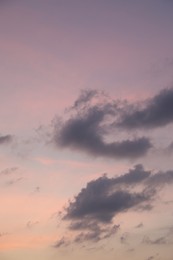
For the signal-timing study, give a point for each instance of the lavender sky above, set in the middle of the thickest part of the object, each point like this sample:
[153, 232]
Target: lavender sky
[86, 148]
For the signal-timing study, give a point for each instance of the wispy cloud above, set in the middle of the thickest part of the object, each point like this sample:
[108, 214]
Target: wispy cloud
[61, 242]
[13, 181]
[140, 225]
[31, 224]
[150, 257]
[158, 241]
[9, 171]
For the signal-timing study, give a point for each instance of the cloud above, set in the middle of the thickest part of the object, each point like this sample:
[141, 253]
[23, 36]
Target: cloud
[155, 112]
[135, 175]
[31, 224]
[160, 179]
[8, 171]
[11, 176]
[88, 128]
[158, 241]
[140, 225]
[103, 208]
[150, 257]
[102, 205]
[2, 234]
[61, 242]
[95, 233]
[14, 181]
[85, 97]
[91, 214]
[124, 238]
[5, 139]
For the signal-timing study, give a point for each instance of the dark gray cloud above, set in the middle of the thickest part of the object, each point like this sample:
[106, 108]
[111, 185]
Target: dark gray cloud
[135, 175]
[160, 179]
[88, 128]
[156, 112]
[5, 139]
[96, 233]
[103, 207]
[92, 212]
[103, 198]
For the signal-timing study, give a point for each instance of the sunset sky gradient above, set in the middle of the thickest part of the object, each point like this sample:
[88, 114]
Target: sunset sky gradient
[86, 150]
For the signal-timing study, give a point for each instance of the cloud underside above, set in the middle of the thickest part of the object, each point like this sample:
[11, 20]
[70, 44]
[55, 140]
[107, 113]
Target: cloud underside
[79, 135]
[153, 113]
[92, 213]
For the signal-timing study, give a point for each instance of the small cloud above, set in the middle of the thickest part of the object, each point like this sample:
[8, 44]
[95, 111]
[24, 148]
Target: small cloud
[150, 257]
[130, 250]
[2, 234]
[31, 224]
[140, 225]
[85, 97]
[9, 171]
[123, 238]
[5, 139]
[13, 181]
[62, 242]
[158, 241]
[37, 189]
[92, 231]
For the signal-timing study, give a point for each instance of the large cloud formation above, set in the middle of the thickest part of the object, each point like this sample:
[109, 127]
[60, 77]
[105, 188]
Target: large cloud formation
[93, 127]
[92, 212]
[95, 119]
[91, 124]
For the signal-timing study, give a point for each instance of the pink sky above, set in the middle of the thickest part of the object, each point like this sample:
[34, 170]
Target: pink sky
[50, 51]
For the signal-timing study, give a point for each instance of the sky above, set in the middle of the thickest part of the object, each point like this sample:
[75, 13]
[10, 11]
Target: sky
[86, 150]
